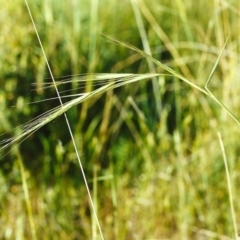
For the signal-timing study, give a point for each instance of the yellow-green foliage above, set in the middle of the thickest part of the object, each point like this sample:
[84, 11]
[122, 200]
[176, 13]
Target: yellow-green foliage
[150, 149]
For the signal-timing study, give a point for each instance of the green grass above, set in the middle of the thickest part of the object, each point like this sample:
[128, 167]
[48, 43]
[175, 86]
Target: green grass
[151, 150]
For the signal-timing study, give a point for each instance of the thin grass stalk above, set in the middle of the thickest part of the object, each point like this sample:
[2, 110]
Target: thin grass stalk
[94, 225]
[164, 38]
[114, 202]
[211, 94]
[182, 211]
[26, 196]
[147, 49]
[204, 90]
[229, 185]
[163, 66]
[68, 125]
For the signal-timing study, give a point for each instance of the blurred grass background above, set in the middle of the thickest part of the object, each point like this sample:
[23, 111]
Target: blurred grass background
[150, 150]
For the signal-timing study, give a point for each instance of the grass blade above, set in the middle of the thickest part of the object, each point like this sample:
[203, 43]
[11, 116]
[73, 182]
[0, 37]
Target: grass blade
[229, 185]
[147, 56]
[204, 90]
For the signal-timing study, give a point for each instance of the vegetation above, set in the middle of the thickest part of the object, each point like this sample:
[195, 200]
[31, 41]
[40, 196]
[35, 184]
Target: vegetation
[156, 153]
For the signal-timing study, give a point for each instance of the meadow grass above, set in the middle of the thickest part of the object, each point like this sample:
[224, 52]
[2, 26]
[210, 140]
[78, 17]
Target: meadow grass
[150, 150]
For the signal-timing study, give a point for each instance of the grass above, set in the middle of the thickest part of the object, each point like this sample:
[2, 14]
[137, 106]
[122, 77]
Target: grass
[150, 149]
